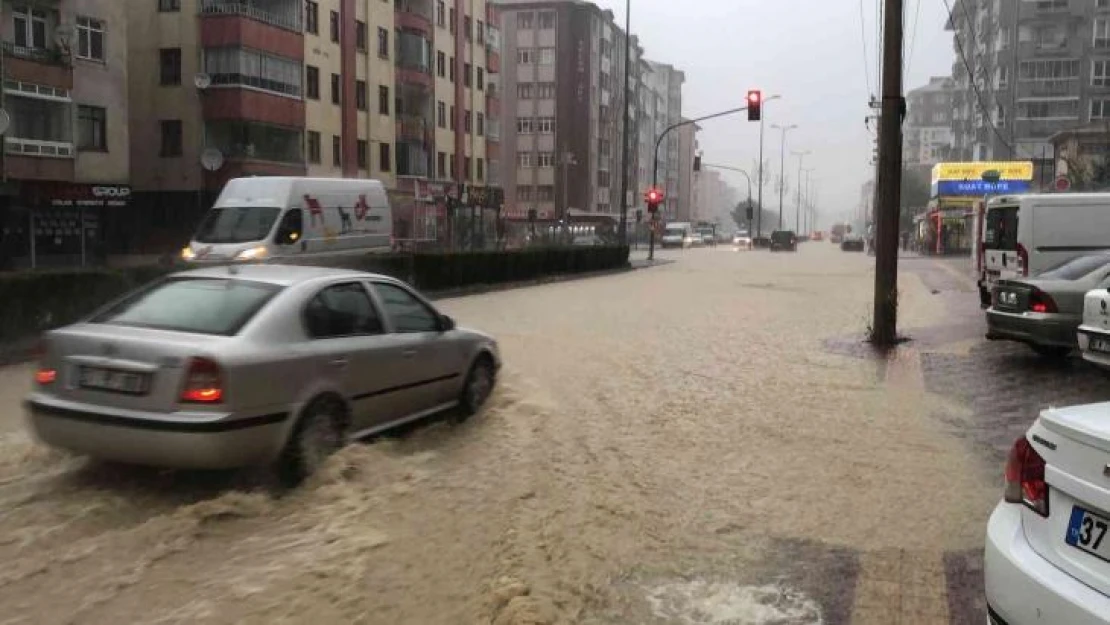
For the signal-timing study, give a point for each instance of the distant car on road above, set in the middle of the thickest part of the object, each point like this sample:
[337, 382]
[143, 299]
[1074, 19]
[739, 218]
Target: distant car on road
[852, 243]
[1045, 312]
[1047, 555]
[229, 367]
[677, 234]
[784, 240]
[816, 236]
[742, 240]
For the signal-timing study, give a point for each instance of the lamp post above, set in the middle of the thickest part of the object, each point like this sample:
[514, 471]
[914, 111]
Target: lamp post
[568, 161]
[759, 185]
[798, 203]
[782, 164]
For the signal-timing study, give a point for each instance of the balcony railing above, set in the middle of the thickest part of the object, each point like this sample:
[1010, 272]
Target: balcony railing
[35, 147]
[47, 56]
[290, 21]
[412, 128]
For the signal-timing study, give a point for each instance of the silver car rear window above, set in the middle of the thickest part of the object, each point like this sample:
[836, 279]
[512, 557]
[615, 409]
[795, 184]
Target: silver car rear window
[198, 305]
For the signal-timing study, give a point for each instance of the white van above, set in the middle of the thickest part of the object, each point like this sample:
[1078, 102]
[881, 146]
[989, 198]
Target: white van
[677, 234]
[1025, 234]
[275, 216]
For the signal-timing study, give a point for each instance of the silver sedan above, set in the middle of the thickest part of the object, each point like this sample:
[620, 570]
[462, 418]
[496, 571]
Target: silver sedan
[229, 367]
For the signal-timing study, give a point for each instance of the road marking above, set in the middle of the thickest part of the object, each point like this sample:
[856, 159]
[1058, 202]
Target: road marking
[897, 587]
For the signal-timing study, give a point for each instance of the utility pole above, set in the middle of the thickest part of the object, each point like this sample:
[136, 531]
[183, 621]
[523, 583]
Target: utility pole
[782, 165]
[759, 190]
[798, 203]
[568, 160]
[884, 328]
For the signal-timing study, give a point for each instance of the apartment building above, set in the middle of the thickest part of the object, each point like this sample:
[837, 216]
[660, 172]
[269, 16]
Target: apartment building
[687, 146]
[392, 90]
[64, 195]
[663, 102]
[927, 130]
[715, 197]
[1040, 67]
[564, 96]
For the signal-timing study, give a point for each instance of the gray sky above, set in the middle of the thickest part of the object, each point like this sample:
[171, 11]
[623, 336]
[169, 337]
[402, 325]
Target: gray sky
[810, 52]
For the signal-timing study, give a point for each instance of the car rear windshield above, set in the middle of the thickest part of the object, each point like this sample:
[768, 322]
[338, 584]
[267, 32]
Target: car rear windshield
[1001, 232]
[1076, 268]
[214, 306]
[782, 236]
[241, 224]
[674, 232]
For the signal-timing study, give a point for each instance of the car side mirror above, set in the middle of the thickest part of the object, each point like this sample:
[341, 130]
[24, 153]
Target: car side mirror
[446, 324]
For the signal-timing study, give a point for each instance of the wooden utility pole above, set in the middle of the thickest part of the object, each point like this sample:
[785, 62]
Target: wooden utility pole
[884, 329]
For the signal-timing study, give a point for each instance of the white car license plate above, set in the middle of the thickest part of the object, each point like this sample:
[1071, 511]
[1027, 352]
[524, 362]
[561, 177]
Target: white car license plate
[1087, 531]
[109, 380]
[1099, 345]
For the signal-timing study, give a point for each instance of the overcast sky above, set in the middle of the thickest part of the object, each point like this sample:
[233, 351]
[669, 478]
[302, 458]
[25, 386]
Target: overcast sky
[810, 52]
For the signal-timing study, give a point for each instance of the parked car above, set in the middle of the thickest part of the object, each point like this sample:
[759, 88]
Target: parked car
[1045, 312]
[852, 243]
[784, 240]
[226, 367]
[1047, 556]
[1094, 332]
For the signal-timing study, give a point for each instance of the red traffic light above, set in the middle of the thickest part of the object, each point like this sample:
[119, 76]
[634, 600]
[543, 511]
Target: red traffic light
[653, 197]
[755, 104]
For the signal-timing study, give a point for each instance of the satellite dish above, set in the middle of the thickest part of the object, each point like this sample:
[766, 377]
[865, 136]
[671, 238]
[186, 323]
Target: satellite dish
[212, 159]
[5, 121]
[202, 81]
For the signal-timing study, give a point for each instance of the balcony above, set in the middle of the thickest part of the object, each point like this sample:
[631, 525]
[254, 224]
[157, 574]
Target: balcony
[1048, 88]
[280, 13]
[39, 142]
[47, 66]
[414, 60]
[272, 26]
[414, 15]
[413, 128]
[248, 104]
[253, 141]
[413, 159]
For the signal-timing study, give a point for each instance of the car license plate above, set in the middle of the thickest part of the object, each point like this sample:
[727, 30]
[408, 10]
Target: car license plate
[1087, 531]
[110, 380]
[1099, 345]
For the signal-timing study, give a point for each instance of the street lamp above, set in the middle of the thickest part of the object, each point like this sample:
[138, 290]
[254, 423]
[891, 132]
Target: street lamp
[798, 205]
[759, 215]
[782, 164]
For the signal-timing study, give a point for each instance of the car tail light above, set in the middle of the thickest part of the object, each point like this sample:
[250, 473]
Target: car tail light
[1025, 478]
[1041, 302]
[1023, 259]
[203, 382]
[43, 375]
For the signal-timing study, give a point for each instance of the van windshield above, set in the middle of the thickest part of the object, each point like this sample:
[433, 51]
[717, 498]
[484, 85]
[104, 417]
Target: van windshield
[1001, 232]
[240, 224]
[674, 232]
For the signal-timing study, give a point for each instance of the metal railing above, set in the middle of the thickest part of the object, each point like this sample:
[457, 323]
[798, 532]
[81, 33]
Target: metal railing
[245, 9]
[36, 147]
[48, 56]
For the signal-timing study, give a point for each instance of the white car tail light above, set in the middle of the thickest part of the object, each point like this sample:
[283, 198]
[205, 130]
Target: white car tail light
[203, 382]
[1025, 478]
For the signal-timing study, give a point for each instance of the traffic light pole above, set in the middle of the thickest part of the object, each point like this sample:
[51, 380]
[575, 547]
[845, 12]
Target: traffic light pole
[655, 166]
[749, 178]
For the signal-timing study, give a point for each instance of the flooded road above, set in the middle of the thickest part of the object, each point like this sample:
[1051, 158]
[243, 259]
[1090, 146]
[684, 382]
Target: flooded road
[677, 444]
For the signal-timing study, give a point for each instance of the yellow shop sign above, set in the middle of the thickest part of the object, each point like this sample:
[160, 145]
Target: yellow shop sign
[1008, 170]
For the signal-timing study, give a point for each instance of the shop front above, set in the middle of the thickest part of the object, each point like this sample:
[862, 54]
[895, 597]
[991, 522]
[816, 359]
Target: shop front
[958, 190]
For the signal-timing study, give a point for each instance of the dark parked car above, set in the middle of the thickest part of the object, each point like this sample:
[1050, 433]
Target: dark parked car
[784, 240]
[852, 243]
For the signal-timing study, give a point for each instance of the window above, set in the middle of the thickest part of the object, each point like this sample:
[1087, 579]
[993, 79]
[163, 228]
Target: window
[603, 178]
[480, 32]
[92, 128]
[454, 168]
[454, 22]
[441, 14]
[524, 159]
[341, 310]
[334, 24]
[546, 159]
[312, 82]
[1100, 73]
[90, 39]
[1003, 75]
[312, 17]
[1102, 32]
[360, 36]
[171, 137]
[441, 165]
[30, 27]
[1102, 4]
[253, 68]
[385, 151]
[451, 119]
[467, 124]
[479, 170]
[545, 193]
[363, 154]
[1049, 69]
[480, 79]
[336, 151]
[467, 74]
[468, 27]
[407, 313]
[1100, 109]
[441, 114]
[169, 66]
[451, 70]
[313, 138]
[441, 64]
[335, 94]
[169, 6]
[1049, 109]
[383, 43]
[524, 21]
[383, 100]
[547, 56]
[361, 95]
[526, 56]
[545, 91]
[525, 90]
[215, 306]
[1075, 268]
[255, 140]
[525, 125]
[480, 124]
[547, 20]
[545, 125]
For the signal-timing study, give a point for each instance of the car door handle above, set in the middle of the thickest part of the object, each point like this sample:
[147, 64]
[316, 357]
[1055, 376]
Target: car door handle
[339, 362]
[408, 353]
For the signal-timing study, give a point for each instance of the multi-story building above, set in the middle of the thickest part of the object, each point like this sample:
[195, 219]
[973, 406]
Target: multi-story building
[64, 165]
[927, 132]
[715, 198]
[564, 96]
[664, 85]
[1040, 67]
[687, 147]
[355, 88]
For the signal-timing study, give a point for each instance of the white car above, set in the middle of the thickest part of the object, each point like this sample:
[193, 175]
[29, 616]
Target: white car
[1094, 332]
[1047, 557]
[742, 240]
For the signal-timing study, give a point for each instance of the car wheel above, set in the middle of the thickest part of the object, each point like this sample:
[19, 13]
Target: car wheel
[477, 388]
[318, 434]
[1054, 352]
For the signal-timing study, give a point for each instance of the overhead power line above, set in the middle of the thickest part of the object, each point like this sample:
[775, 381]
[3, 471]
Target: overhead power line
[863, 38]
[971, 80]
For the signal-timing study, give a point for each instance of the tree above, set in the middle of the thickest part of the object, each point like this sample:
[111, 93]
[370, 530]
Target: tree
[916, 193]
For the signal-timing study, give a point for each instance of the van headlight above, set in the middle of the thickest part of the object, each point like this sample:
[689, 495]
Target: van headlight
[188, 254]
[252, 253]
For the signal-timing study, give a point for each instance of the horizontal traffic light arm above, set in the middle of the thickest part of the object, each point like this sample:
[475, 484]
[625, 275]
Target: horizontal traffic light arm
[686, 122]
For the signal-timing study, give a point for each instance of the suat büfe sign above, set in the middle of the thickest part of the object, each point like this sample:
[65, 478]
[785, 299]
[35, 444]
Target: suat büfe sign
[1007, 170]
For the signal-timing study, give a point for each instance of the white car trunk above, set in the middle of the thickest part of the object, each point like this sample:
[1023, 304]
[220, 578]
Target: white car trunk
[1075, 443]
[1096, 310]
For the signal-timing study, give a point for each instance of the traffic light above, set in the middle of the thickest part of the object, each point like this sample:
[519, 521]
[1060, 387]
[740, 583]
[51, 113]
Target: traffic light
[697, 163]
[755, 105]
[653, 197]
[749, 213]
